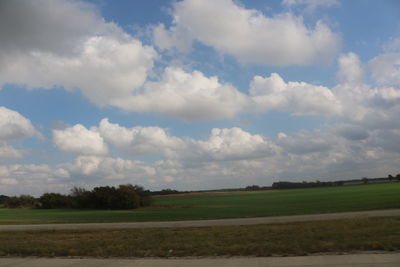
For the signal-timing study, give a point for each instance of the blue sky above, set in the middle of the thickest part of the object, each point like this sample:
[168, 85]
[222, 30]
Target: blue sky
[196, 94]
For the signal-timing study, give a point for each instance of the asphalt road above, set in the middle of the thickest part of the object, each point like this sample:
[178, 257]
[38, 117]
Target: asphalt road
[202, 223]
[356, 260]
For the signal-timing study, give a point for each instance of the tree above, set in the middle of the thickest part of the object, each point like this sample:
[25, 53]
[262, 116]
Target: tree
[145, 195]
[54, 201]
[364, 180]
[81, 198]
[104, 197]
[3, 199]
[23, 201]
[13, 202]
[127, 198]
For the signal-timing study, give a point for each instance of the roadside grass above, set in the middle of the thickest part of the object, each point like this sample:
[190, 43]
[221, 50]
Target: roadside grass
[218, 206]
[302, 238]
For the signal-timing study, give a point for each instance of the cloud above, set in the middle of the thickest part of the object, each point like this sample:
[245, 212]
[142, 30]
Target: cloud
[79, 140]
[350, 69]
[105, 69]
[33, 179]
[51, 26]
[229, 144]
[392, 46]
[386, 69]
[372, 107]
[273, 93]
[303, 143]
[67, 44]
[14, 126]
[351, 132]
[8, 152]
[111, 67]
[140, 140]
[247, 34]
[388, 140]
[186, 95]
[229, 157]
[310, 5]
[222, 144]
[107, 168]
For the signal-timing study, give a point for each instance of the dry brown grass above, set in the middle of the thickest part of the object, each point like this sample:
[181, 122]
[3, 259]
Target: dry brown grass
[361, 234]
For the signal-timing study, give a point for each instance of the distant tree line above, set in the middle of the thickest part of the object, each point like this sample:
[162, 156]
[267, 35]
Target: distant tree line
[167, 191]
[122, 197]
[290, 185]
[256, 188]
[304, 184]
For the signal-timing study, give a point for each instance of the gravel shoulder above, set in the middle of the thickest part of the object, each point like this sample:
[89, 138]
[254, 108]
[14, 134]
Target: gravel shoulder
[354, 260]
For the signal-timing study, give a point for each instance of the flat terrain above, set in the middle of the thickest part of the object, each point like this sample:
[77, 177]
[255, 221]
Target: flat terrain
[203, 223]
[283, 239]
[234, 205]
[354, 260]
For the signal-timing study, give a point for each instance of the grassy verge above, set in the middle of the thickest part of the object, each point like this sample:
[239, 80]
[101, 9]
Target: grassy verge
[349, 235]
[256, 204]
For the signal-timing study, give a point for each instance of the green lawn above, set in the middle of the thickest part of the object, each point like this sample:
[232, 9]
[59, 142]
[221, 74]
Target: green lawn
[254, 204]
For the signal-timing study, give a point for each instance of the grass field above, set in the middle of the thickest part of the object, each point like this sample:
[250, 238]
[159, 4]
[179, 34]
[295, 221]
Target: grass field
[235, 205]
[349, 235]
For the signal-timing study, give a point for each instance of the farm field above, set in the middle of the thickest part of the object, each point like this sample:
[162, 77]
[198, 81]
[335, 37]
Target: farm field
[233, 205]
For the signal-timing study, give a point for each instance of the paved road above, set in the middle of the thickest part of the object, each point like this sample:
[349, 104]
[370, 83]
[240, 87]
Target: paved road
[201, 223]
[356, 260]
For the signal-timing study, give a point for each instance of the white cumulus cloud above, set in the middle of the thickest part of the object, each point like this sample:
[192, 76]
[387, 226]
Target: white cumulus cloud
[109, 168]
[67, 44]
[186, 95]
[140, 140]
[273, 93]
[80, 140]
[386, 69]
[14, 126]
[350, 69]
[247, 34]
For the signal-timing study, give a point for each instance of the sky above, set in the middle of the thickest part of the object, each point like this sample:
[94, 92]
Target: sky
[196, 94]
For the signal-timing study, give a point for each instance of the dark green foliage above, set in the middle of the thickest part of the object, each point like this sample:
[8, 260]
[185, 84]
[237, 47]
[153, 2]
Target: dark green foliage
[127, 198]
[292, 185]
[257, 188]
[23, 201]
[144, 195]
[124, 197]
[54, 201]
[3, 199]
[81, 198]
[167, 191]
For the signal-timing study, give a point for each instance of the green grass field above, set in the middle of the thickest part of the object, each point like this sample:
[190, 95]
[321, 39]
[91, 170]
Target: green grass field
[235, 205]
